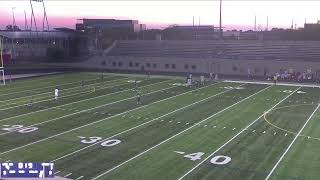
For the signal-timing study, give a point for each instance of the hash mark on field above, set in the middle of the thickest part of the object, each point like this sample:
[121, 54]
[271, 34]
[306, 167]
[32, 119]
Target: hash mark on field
[57, 172]
[67, 175]
[179, 152]
[79, 177]
[187, 123]
[233, 129]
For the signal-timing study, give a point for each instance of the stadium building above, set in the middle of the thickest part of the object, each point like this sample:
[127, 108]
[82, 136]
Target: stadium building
[31, 44]
[89, 25]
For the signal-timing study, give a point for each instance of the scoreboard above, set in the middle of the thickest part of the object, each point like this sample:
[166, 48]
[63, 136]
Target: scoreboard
[26, 170]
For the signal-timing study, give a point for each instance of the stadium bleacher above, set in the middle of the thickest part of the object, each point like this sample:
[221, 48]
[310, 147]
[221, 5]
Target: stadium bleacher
[286, 50]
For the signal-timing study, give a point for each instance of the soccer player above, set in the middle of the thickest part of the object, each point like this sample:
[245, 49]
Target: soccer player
[202, 80]
[56, 93]
[101, 78]
[135, 84]
[149, 74]
[31, 102]
[189, 82]
[275, 79]
[139, 98]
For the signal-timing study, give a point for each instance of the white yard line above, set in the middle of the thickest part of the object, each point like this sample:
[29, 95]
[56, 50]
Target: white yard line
[196, 124]
[45, 87]
[50, 99]
[295, 138]
[84, 100]
[67, 175]
[50, 92]
[95, 122]
[86, 110]
[79, 177]
[226, 143]
[271, 83]
[135, 127]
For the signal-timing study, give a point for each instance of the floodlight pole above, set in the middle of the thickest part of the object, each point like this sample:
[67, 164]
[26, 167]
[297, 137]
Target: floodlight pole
[220, 21]
[1, 59]
[13, 26]
[45, 17]
[33, 18]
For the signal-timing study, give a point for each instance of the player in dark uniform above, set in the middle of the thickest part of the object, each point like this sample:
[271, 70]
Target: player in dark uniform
[101, 78]
[135, 84]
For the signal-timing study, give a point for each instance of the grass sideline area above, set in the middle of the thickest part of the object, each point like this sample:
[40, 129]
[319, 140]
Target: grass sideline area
[219, 130]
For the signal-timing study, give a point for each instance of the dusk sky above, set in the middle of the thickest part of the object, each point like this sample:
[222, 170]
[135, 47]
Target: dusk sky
[237, 14]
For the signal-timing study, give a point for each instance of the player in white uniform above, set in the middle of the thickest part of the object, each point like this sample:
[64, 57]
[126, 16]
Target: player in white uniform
[202, 80]
[56, 94]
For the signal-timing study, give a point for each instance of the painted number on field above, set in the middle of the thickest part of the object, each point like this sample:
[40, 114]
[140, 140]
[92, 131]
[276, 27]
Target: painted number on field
[220, 160]
[19, 128]
[229, 87]
[217, 160]
[194, 156]
[94, 139]
[290, 91]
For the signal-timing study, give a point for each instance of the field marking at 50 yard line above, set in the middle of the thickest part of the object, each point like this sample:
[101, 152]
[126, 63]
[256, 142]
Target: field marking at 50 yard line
[145, 123]
[95, 122]
[226, 143]
[50, 92]
[172, 137]
[55, 107]
[43, 87]
[295, 138]
[79, 112]
[49, 99]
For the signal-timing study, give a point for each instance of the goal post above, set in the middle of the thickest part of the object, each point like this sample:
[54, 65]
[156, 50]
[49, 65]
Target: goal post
[2, 72]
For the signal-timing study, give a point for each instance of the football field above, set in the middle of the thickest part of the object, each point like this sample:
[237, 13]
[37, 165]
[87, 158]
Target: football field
[219, 130]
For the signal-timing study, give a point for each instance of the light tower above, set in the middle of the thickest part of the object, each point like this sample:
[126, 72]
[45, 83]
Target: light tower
[33, 18]
[2, 63]
[220, 21]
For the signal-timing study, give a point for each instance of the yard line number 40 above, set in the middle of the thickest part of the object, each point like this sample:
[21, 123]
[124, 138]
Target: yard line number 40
[218, 160]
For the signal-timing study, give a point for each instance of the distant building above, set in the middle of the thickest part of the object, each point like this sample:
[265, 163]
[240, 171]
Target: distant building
[110, 24]
[312, 26]
[234, 35]
[203, 32]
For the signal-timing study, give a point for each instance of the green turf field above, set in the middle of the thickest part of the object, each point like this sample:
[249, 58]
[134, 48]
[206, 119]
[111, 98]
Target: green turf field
[220, 130]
